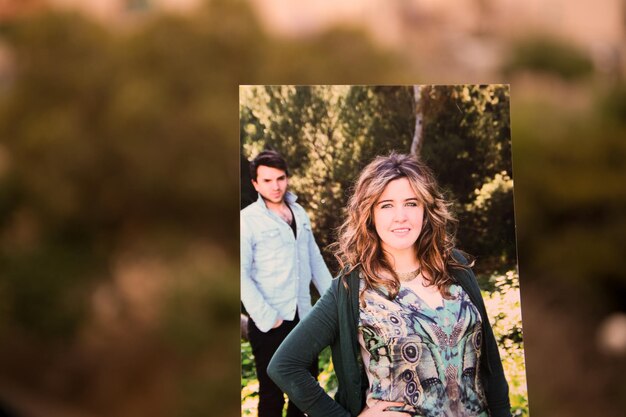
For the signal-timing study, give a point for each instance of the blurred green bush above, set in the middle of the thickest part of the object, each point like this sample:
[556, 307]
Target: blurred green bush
[505, 314]
[549, 55]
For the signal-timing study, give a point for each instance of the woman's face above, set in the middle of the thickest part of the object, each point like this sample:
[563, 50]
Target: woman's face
[398, 217]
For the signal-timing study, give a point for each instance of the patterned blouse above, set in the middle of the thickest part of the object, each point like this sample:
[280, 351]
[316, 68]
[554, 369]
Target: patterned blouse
[427, 358]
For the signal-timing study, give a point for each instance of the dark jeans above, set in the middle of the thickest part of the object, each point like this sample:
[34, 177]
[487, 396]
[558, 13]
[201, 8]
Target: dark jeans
[264, 345]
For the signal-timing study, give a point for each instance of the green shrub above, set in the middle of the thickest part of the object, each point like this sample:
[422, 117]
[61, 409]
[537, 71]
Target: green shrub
[549, 55]
[504, 309]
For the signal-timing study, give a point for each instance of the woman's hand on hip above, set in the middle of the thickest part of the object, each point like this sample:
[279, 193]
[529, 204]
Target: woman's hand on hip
[380, 410]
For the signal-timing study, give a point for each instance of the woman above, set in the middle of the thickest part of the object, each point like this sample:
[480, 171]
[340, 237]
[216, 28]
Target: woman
[406, 323]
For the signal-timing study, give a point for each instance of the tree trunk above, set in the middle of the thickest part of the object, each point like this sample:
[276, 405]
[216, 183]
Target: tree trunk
[416, 145]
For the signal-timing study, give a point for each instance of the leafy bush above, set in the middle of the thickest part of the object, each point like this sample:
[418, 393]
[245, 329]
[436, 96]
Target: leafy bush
[249, 382]
[327, 377]
[504, 309]
[613, 104]
[549, 55]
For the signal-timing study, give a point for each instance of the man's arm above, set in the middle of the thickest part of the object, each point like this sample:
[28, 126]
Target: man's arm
[264, 316]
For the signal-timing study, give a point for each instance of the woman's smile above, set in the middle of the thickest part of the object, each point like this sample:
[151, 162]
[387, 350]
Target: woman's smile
[398, 216]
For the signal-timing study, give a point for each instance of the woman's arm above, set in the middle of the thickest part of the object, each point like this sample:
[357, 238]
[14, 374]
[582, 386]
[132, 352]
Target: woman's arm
[289, 366]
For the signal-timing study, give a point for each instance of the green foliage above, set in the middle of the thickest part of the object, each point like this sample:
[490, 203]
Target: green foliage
[612, 104]
[194, 302]
[105, 141]
[202, 393]
[249, 381]
[571, 201]
[248, 372]
[505, 314]
[488, 223]
[44, 290]
[467, 143]
[549, 55]
[466, 131]
[327, 377]
[337, 56]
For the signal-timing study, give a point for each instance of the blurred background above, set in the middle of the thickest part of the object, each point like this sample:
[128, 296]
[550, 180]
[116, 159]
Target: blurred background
[119, 179]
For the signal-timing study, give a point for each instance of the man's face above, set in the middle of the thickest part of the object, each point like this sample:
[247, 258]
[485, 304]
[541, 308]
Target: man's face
[271, 183]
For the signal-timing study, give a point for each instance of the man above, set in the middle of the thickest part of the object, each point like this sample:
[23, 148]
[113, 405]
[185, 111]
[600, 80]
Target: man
[279, 257]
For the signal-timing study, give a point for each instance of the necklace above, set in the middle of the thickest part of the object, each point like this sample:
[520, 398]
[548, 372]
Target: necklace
[408, 276]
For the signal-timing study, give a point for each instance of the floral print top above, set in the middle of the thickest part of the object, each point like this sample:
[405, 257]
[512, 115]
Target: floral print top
[424, 357]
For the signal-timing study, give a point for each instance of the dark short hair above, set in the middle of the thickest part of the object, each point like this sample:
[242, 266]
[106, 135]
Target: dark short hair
[270, 159]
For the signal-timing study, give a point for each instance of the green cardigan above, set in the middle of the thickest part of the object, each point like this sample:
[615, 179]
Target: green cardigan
[334, 321]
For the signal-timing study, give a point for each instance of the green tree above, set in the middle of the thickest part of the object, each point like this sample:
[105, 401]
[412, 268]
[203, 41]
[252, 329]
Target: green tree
[466, 141]
[548, 55]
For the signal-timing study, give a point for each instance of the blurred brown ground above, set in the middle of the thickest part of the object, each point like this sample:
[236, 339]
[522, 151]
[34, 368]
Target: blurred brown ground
[119, 184]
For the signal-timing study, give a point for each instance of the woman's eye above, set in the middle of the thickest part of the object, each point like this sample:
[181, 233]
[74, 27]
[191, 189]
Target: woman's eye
[385, 206]
[411, 204]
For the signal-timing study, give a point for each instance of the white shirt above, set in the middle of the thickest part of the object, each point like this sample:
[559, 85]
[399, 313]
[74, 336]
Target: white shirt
[276, 267]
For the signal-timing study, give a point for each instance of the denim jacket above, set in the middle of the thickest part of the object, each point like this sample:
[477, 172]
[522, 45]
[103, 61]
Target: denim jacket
[276, 268]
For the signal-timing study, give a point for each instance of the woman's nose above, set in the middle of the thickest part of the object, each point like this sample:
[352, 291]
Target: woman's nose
[400, 214]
